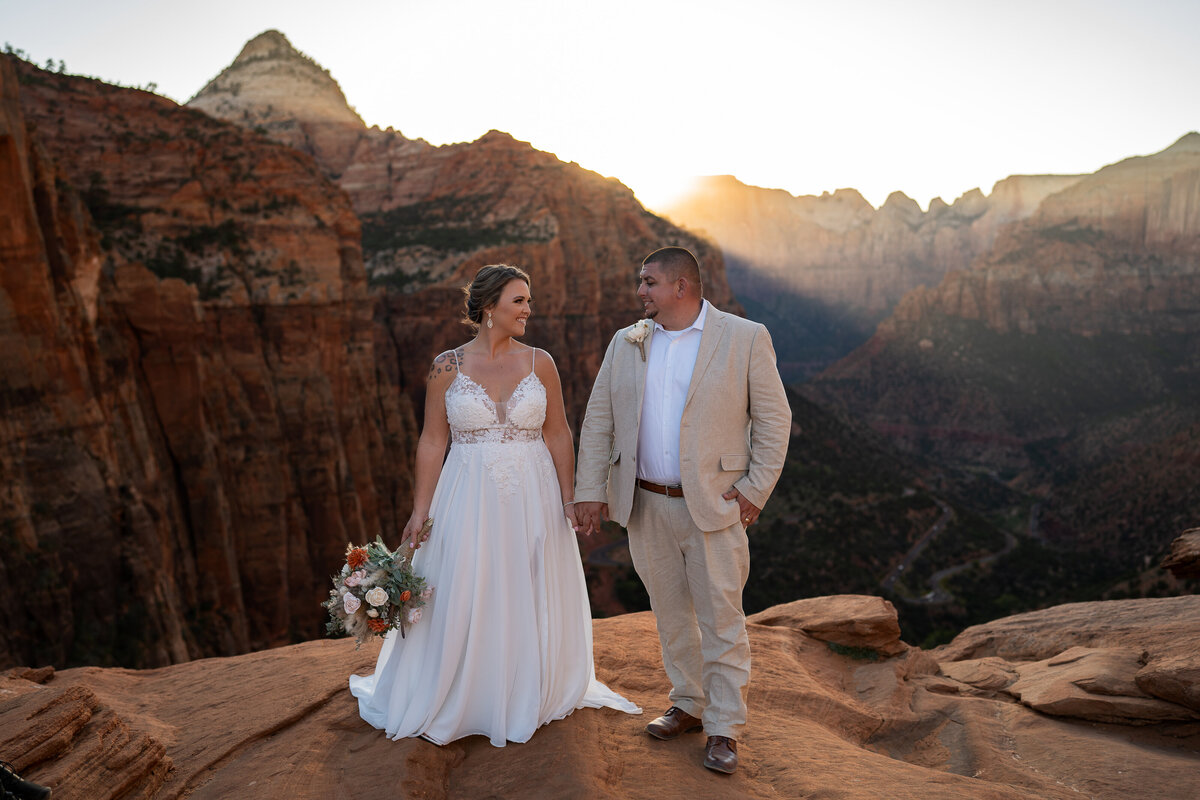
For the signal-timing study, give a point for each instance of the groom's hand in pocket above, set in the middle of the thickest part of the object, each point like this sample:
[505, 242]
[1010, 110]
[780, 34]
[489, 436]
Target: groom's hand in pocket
[748, 510]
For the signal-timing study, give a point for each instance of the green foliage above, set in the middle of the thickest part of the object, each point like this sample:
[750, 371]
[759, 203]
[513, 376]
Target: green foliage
[967, 537]
[1072, 233]
[399, 281]
[227, 235]
[448, 225]
[112, 218]
[856, 653]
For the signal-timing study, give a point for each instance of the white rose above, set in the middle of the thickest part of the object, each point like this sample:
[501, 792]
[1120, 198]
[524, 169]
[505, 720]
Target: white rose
[427, 593]
[377, 596]
[372, 613]
[351, 603]
[638, 331]
[413, 616]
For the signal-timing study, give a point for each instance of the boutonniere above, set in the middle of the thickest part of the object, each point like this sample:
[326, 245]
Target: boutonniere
[637, 335]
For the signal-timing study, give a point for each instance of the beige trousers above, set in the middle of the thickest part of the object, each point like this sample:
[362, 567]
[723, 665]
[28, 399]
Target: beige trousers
[695, 581]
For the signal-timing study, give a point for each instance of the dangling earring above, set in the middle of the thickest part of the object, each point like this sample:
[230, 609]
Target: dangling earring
[489, 319]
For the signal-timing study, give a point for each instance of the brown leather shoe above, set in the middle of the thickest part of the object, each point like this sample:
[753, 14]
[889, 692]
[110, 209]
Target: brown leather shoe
[720, 754]
[673, 723]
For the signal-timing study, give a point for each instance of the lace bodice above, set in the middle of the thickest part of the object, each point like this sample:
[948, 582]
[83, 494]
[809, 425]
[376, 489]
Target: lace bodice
[499, 433]
[474, 417]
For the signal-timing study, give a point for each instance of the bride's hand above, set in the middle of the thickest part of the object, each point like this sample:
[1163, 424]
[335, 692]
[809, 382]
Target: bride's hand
[569, 511]
[412, 531]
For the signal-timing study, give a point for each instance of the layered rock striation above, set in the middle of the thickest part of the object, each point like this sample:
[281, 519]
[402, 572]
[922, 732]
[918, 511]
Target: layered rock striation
[1116, 252]
[1058, 705]
[195, 424]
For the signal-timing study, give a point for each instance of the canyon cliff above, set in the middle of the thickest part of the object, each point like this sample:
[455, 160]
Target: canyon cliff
[194, 424]
[822, 271]
[1093, 700]
[432, 216]
[1065, 362]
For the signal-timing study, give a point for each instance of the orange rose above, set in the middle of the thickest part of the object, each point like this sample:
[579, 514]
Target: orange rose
[405, 595]
[377, 625]
[356, 557]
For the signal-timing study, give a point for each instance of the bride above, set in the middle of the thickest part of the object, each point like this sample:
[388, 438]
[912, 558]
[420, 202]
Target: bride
[506, 643]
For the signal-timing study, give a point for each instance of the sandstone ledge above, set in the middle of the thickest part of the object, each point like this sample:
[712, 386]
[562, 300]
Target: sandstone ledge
[281, 723]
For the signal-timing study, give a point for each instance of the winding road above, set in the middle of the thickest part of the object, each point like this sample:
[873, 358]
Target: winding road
[937, 593]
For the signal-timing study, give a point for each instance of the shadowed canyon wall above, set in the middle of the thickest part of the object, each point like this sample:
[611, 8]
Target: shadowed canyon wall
[194, 426]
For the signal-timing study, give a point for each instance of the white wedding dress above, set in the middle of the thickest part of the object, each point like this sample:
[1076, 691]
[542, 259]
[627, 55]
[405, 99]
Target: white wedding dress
[505, 644]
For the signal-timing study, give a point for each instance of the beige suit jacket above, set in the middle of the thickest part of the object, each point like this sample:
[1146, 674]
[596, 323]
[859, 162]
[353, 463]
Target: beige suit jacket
[734, 432]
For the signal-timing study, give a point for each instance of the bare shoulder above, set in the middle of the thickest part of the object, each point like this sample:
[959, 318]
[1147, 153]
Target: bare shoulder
[544, 364]
[444, 367]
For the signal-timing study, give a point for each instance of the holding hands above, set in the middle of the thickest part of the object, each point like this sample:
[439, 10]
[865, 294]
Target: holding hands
[589, 517]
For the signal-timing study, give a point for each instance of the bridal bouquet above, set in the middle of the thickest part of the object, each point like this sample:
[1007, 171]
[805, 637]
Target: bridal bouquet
[376, 591]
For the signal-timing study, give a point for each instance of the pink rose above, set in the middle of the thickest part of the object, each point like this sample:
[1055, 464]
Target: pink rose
[351, 603]
[356, 578]
[413, 616]
[427, 593]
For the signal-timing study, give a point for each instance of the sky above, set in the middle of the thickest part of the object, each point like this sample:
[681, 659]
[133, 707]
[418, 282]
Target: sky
[928, 97]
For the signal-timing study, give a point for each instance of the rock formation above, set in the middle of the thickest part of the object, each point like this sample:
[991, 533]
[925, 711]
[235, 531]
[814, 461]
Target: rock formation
[830, 716]
[1063, 360]
[274, 88]
[1184, 558]
[824, 270]
[194, 424]
[433, 215]
[1116, 252]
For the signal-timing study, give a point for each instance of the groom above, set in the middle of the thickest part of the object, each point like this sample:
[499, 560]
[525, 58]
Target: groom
[683, 441]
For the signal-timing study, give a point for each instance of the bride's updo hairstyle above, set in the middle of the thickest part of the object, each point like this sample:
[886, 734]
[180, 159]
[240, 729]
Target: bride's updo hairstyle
[486, 289]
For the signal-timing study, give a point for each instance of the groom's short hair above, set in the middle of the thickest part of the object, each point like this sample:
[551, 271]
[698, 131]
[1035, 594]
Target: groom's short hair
[677, 262]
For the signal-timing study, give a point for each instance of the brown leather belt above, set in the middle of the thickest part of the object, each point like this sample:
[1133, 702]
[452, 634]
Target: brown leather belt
[658, 488]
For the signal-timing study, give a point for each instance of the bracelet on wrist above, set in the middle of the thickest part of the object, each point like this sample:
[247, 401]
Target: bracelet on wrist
[568, 503]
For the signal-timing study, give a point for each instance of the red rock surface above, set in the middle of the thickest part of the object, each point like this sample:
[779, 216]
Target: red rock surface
[194, 422]
[1184, 559]
[282, 723]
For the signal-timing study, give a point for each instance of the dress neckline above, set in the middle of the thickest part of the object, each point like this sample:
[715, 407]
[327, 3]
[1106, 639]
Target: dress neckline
[511, 395]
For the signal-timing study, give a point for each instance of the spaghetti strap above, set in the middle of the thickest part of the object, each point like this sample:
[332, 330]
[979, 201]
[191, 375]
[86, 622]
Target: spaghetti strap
[454, 352]
[533, 361]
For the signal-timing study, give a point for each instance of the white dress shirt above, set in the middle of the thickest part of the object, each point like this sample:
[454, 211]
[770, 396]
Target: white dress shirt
[672, 358]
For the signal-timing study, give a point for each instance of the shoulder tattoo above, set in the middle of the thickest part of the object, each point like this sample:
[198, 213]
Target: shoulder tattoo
[444, 363]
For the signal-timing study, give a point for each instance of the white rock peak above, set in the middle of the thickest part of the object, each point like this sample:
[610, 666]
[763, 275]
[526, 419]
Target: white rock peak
[271, 81]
